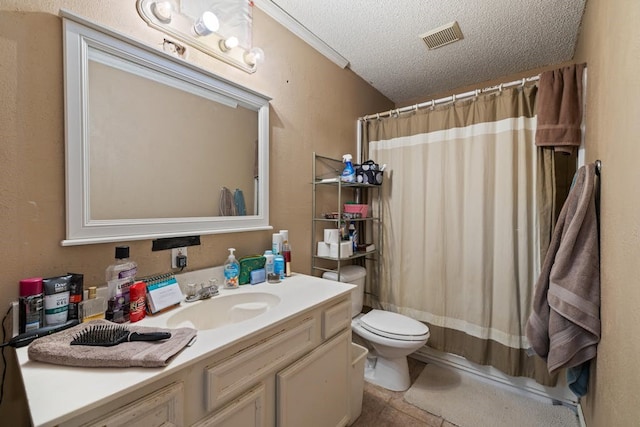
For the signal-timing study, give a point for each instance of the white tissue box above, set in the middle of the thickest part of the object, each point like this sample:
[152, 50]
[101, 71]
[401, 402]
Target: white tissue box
[332, 235]
[331, 249]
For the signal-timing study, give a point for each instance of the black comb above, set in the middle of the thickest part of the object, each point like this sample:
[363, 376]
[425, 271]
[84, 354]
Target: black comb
[109, 335]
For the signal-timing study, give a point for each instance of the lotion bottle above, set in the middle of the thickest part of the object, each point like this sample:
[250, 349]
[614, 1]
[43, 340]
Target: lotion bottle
[231, 271]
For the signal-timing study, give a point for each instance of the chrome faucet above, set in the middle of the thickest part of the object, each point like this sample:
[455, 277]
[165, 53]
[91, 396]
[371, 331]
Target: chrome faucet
[205, 292]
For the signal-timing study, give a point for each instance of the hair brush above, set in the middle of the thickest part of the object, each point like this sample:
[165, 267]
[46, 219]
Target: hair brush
[109, 335]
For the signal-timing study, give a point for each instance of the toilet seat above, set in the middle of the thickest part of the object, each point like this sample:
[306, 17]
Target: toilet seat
[394, 326]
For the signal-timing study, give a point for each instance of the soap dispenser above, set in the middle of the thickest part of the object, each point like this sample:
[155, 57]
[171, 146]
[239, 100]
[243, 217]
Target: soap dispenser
[231, 271]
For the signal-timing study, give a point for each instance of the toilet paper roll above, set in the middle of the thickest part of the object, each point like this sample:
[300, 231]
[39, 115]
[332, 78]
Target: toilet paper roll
[345, 248]
[332, 235]
[324, 249]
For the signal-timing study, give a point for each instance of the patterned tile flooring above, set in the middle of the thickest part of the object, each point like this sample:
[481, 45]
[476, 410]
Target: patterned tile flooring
[385, 408]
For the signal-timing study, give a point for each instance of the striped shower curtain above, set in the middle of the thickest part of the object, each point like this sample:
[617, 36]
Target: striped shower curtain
[461, 241]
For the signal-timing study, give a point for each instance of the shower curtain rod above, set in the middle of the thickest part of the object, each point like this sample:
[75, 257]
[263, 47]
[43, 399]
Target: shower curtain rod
[451, 98]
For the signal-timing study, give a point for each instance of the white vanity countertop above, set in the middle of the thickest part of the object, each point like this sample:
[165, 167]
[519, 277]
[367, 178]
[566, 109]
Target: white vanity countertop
[57, 393]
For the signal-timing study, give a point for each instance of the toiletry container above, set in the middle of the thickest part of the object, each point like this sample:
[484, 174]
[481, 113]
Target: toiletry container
[268, 264]
[120, 276]
[278, 266]
[231, 271]
[286, 254]
[76, 291]
[348, 173]
[31, 304]
[276, 243]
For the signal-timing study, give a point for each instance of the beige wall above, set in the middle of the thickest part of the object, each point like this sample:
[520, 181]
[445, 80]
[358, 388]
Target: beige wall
[610, 45]
[314, 108]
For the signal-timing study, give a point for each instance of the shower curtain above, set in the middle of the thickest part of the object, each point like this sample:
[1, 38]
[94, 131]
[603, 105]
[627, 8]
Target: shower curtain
[461, 240]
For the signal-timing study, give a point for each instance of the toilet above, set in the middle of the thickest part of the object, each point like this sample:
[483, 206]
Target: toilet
[391, 336]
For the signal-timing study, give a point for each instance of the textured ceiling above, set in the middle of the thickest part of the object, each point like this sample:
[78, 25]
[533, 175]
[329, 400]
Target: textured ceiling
[380, 39]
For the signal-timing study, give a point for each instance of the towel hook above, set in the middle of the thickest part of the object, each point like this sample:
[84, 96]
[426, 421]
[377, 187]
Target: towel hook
[598, 167]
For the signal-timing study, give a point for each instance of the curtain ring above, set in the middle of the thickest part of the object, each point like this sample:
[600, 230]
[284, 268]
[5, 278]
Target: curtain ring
[416, 107]
[377, 116]
[500, 88]
[453, 98]
[524, 80]
[477, 93]
[433, 104]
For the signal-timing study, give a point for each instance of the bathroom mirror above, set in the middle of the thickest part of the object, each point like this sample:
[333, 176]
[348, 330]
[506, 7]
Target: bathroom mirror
[155, 146]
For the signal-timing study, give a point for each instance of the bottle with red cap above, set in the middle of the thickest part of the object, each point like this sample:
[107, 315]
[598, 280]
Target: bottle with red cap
[30, 305]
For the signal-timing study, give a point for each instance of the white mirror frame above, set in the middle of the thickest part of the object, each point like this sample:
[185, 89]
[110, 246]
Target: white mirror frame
[81, 35]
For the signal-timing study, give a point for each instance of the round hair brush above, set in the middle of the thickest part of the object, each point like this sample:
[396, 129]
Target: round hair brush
[109, 335]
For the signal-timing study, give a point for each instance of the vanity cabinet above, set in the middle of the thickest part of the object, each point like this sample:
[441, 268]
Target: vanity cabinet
[281, 376]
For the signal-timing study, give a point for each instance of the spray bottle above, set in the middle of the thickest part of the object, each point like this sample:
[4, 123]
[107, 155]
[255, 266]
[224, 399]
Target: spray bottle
[231, 271]
[348, 174]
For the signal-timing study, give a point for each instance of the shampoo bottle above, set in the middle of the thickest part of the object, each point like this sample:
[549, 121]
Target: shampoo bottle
[348, 174]
[231, 271]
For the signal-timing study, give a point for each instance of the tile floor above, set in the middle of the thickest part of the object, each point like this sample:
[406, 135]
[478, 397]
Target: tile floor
[385, 408]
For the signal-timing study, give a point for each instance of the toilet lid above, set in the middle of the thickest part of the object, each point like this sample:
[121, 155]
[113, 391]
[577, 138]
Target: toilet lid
[394, 325]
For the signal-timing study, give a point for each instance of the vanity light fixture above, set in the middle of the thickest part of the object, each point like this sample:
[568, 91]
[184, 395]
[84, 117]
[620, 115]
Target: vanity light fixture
[188, 22]
[207, 23]
[254, 56]
[162, 10]
[229, 43]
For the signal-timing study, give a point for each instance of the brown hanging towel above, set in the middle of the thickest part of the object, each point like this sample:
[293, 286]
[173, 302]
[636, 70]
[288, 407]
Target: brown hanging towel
[559, 108]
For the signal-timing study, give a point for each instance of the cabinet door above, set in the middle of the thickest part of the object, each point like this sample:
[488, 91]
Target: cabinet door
[314, 391]
[247, 411]
[160, 408]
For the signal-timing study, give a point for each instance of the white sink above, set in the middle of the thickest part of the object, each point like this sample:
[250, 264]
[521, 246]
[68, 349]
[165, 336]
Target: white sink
[223, 310]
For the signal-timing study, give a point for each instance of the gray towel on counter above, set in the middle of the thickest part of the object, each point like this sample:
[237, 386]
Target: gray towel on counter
[57, 348]
[564, 326]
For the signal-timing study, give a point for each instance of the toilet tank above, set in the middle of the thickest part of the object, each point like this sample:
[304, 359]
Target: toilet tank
[355, 275]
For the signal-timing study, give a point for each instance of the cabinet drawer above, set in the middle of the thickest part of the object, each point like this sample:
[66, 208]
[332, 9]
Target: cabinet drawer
[160, 408]
[240, 371]
[336, 318]
[247, 410]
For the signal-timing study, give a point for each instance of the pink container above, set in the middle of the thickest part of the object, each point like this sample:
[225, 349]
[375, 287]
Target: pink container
[353, 208]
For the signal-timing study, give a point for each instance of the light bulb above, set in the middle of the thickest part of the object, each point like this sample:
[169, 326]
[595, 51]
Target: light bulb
[162, 10]
[206, 24]
[228, 43]
[254, 56]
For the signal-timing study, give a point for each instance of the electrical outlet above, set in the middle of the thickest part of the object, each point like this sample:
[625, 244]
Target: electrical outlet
[174, 256]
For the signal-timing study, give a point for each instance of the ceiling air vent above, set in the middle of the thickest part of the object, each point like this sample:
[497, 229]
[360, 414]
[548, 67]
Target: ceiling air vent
[442, 36]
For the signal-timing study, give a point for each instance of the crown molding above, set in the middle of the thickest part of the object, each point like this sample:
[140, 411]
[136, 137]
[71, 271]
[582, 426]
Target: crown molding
[286, 20]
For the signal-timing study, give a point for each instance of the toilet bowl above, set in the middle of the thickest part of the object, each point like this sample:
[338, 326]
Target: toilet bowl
[391, 336]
